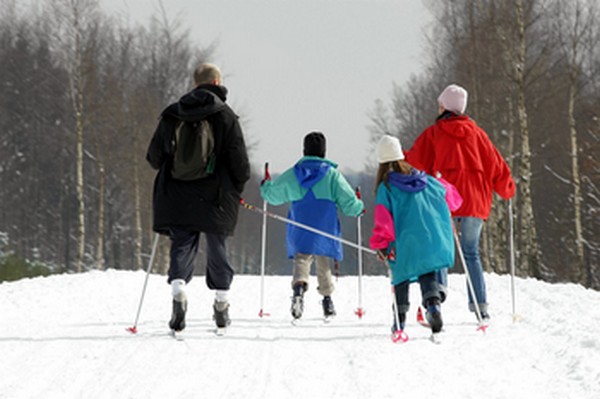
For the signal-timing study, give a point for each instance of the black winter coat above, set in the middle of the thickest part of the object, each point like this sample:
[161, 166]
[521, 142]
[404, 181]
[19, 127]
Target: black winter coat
[210, 204]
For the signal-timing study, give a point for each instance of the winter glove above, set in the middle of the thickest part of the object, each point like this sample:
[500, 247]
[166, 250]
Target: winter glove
[382, 254]
[359, 196]
[386, 254]
[267, 174]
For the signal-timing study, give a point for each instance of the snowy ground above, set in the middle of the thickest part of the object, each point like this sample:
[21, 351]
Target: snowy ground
[65, 337]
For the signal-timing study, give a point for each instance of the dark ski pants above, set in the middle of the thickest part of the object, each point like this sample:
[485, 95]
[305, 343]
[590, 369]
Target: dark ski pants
[184, 249]
[430, 289]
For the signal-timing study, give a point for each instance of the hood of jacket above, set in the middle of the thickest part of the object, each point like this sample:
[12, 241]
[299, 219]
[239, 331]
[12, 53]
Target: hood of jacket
[458, 126]
[199, 103]
[309, 170]
[415, 182]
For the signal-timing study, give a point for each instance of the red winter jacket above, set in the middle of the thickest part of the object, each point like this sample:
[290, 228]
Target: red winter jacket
[464, 155]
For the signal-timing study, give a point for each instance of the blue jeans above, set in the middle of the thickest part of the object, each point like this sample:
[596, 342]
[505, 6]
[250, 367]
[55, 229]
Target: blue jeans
[469, 229]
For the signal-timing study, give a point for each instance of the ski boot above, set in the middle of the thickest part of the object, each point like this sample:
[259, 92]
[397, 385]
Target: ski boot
[434, 315]
[401, 321]
[328, 308]
[485, 316]
[177, 322]
[298, 301]
[221, 314]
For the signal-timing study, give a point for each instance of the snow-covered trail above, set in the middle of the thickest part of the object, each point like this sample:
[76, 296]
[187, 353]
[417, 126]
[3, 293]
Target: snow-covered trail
[64, 337]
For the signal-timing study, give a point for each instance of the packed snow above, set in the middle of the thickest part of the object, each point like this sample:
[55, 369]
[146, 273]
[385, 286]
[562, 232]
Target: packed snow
[65, 336]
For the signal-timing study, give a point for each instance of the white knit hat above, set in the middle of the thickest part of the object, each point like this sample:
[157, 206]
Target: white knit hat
[454, 99]
[389, 149]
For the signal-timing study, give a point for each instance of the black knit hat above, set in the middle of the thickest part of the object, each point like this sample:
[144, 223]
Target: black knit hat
[314, 144]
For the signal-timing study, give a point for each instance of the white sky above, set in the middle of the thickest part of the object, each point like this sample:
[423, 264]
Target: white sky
[293, 66]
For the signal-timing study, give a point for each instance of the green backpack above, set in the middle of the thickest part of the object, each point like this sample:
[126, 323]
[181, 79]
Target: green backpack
[194, 150]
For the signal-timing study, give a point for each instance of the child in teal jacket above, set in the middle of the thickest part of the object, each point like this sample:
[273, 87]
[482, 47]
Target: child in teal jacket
[412, 221]
[316, 190]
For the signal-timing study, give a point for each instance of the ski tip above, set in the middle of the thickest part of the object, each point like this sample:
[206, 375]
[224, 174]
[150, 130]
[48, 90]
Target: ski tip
[420, 317]
[435, 338]
[516, 318]
[399, 336]
[132, 329]
[220, 331]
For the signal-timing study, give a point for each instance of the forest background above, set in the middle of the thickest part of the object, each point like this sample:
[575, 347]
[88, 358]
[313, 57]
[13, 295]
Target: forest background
[82, 89]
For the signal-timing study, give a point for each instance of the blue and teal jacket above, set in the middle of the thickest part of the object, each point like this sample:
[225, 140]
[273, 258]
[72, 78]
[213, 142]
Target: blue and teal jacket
[316, 189]
[413, 219]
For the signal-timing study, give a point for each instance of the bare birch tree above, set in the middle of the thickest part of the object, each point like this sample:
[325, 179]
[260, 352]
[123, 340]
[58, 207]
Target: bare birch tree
[73, 17]
[574, 27]
[530, 259]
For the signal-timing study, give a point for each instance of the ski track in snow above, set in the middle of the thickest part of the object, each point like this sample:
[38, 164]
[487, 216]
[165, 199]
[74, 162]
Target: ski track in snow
[65, 337]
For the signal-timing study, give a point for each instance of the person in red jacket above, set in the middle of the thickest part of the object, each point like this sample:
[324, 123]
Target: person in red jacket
[458, 150]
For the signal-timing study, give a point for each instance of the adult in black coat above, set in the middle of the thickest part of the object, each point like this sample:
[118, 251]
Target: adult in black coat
[184, 209]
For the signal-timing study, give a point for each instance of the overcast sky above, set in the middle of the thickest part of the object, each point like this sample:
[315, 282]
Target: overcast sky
[293, 66]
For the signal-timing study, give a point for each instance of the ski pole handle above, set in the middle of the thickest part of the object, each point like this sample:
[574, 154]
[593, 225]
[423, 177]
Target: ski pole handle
[359, 196]
[267, 174]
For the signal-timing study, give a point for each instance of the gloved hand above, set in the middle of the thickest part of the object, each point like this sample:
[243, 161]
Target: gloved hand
[386, 254]
[267, 174]
[382, 254]
[359, 196]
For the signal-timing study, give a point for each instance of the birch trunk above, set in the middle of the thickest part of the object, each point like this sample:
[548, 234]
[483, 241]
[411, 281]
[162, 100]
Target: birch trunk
[76, 82]
[529, 246]
[580, 272]
[101, 221]
[137, 205]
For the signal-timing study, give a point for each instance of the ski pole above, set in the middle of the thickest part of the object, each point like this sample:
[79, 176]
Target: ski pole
[359, 311]
[481, 325]
[398, 335]
[263, 248]
[133, 329]
[511, 245]
[306, 227]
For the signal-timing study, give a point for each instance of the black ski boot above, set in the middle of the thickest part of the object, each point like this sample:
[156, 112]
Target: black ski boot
[434, 315]
[298, 300]
[328, 308]
[177, 322]
[221, 314]
[485, 316]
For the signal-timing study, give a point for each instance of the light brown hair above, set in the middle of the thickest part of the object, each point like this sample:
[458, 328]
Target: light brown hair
[400, 166]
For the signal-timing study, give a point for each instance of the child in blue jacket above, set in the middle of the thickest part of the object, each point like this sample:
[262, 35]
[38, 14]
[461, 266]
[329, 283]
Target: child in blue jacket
[413, 221]
[316, 190]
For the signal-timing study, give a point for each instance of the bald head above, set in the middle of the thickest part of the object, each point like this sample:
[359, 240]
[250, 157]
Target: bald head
[207, 73]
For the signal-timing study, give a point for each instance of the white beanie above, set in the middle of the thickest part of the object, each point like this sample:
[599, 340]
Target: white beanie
[454, 99]
[389, 149]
